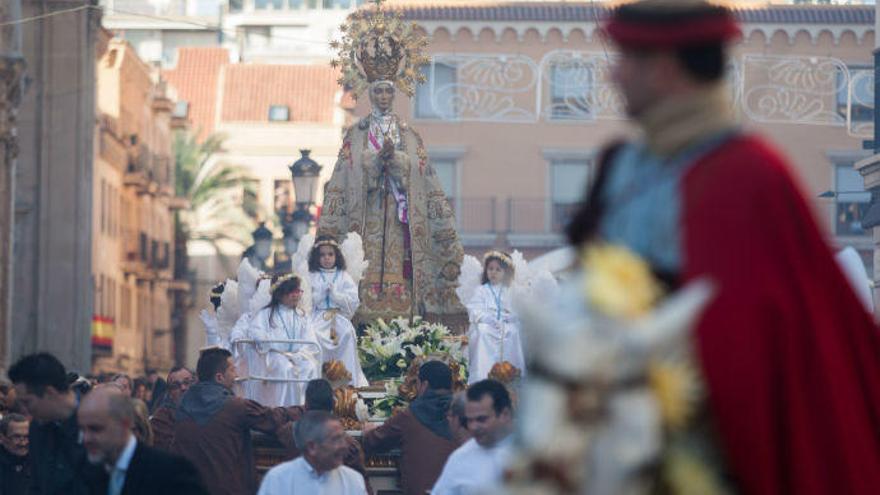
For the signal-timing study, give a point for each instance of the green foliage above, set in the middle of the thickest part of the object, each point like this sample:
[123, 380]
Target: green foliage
[213, 191]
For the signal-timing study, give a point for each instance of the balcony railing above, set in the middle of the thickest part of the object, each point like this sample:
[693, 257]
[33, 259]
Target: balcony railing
[143, 255]
[517, 217]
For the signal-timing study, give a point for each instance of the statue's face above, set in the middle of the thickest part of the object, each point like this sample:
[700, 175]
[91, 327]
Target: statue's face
[382, 97]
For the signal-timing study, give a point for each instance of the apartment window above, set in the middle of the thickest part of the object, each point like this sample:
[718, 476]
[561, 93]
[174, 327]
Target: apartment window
[447, 173]
[125, 306]
[264, 4]
[279, 113]
[570, 86]
[434, 98]
[851, 201]
[861, 100]
[181, 109]
[99, 295]
[568, 183]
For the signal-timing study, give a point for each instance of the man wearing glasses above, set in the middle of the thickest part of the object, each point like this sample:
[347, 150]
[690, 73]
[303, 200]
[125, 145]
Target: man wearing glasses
[179, 380]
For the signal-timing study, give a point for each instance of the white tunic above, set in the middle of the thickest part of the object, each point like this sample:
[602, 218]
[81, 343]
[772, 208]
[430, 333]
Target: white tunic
[289, 361]
[473, 469]
[298, 477]
[335, 299]
[494, 334]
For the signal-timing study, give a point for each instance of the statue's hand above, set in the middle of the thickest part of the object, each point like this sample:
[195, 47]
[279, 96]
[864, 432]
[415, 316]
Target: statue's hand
[387, 151]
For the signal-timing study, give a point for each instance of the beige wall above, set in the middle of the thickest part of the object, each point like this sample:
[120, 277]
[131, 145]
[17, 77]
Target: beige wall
[510, 160]
[133, 185]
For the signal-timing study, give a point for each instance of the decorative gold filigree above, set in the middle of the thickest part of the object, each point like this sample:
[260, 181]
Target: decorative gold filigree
[378, 45]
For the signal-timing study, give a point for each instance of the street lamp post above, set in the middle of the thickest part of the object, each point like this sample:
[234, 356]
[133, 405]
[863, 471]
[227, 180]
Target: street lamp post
[305, 174]
[261, 249]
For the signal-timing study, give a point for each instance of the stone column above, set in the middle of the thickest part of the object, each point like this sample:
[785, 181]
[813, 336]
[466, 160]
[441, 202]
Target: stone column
[11, 70]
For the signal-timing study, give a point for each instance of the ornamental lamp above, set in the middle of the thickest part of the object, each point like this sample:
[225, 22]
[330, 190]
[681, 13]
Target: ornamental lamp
[305, 172]
[262, 241]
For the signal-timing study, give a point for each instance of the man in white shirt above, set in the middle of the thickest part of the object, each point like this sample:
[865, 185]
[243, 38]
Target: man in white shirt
[124, 466]
[319, 470]
[477, 466]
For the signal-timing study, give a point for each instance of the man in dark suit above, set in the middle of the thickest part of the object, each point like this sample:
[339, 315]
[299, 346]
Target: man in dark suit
[123, 466]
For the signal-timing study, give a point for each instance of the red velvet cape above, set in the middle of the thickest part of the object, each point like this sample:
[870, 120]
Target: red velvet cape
[790, 356]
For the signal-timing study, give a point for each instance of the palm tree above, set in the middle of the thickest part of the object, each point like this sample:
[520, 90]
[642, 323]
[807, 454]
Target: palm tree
[212, 215]
[215, 212]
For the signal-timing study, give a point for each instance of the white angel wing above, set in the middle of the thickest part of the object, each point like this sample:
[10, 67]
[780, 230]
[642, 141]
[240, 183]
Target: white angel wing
[300, 266]
[530, 281]
[353, 251]
[521, 273]
[262, 297]
[229, 310]
[468, 278]
[248, 276]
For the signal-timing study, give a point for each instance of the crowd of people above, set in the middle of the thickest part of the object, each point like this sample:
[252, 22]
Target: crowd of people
[61, 436]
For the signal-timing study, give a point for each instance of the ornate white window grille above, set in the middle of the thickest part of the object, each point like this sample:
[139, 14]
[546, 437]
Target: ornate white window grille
[793, 89]
[486, 88]
[577, 86]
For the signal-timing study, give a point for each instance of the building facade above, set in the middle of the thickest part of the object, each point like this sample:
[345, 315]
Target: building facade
[519, 102]
[262, 31]
[52, 193]
[133, 215]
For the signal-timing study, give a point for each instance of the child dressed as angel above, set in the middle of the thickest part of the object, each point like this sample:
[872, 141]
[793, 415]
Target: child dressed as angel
[494, 334]
[334, 302]
[289, 365]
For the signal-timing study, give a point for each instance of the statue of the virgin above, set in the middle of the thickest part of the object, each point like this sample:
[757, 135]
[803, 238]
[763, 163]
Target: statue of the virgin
[383, 186]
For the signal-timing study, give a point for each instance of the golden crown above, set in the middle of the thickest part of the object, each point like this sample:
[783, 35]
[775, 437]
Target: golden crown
[379, 46]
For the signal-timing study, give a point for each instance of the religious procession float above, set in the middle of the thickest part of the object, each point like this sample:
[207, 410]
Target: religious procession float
[384, 285]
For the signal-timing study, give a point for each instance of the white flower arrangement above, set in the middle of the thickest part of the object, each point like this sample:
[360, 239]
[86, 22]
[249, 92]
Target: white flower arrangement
[387, 349]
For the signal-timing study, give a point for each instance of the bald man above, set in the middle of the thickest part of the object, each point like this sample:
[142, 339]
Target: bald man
[126, 467]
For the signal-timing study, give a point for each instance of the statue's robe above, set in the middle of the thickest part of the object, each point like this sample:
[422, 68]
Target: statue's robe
[422, 252]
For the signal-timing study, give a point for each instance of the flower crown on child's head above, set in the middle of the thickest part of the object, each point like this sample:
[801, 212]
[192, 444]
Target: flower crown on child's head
[281, 280]
[504, 257]
[326, 242]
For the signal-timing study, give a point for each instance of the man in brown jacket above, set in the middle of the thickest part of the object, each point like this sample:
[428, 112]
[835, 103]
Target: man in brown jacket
[421, 431]
[212, 427]
[162, 421]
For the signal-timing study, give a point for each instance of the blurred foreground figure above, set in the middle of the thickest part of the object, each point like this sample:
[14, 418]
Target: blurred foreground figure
[789, 356]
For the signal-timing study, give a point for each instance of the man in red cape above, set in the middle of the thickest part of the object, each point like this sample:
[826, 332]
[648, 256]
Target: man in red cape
[790, 357]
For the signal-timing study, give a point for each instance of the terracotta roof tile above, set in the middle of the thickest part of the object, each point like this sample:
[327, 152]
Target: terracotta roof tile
[309, 91]
[589, 12]
[195, 78]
